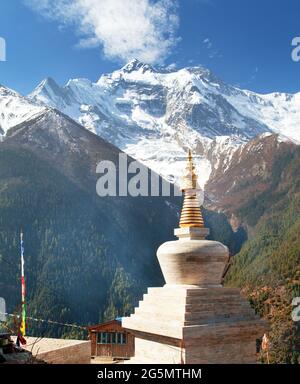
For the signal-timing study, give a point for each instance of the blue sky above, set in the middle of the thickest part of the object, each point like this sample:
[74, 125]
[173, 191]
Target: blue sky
[245, 42]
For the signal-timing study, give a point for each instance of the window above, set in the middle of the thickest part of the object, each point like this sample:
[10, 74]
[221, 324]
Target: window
[121, 338]
[111, 338]
[104, 338]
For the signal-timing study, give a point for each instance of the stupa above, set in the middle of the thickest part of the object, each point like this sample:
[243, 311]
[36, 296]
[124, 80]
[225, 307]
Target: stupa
[193, 318]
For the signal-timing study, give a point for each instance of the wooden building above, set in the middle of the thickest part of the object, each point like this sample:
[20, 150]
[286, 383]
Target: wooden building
[111, 340]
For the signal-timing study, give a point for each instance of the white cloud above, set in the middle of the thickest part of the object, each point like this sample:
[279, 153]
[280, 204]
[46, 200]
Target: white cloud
[171, 66]
[207, 42]
[125, 29]
[212, 52]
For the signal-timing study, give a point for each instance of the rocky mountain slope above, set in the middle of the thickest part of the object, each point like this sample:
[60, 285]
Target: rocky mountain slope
[87, 257]
[257, 169]
[260, 194]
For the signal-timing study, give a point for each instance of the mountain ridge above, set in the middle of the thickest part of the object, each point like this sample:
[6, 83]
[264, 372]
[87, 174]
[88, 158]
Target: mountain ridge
[156, 114]
[141, 110]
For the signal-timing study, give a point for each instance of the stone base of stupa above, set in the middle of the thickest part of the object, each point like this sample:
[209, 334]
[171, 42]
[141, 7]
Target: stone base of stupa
[179, 324]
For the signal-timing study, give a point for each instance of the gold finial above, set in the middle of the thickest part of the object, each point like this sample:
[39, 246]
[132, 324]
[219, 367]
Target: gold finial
[191, 215]
[189, 179]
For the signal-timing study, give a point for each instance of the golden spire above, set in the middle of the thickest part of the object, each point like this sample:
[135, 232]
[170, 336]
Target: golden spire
[191, 215]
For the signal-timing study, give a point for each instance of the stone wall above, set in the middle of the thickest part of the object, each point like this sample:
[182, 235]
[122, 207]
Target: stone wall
[74, 354]
[59, 351]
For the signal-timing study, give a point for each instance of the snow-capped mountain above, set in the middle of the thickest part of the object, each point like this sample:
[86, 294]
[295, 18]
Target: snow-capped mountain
[155, 114]
[15, 109]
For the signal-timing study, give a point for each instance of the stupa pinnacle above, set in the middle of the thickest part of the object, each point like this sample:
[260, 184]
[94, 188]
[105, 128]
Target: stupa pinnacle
[191, 215]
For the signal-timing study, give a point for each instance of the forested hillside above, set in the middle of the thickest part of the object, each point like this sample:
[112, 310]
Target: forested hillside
[80, 263]
[268, 266]
[86, 259]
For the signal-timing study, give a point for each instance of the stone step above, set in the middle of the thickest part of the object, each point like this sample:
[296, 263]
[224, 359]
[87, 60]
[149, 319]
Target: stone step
[162, 298]
[184, 290]
[178, 311]
[219, 312]
[157, 315]
[165, 327]
[218, 319]
[171, 319]
[233, 306]
[213, 291]
[248, 328]
[219, 299]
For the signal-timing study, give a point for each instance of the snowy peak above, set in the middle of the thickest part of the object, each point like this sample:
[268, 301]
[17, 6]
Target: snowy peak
[5, 92]
[48, 87]
[48, 92]
[136, 65]
[15, 108]
[155, 114]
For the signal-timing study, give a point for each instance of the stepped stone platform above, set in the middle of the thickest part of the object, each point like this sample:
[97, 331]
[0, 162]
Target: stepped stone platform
[188, 324]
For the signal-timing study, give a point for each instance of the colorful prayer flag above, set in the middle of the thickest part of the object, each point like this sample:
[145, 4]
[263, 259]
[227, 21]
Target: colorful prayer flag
[23, 290]
[265, 343]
